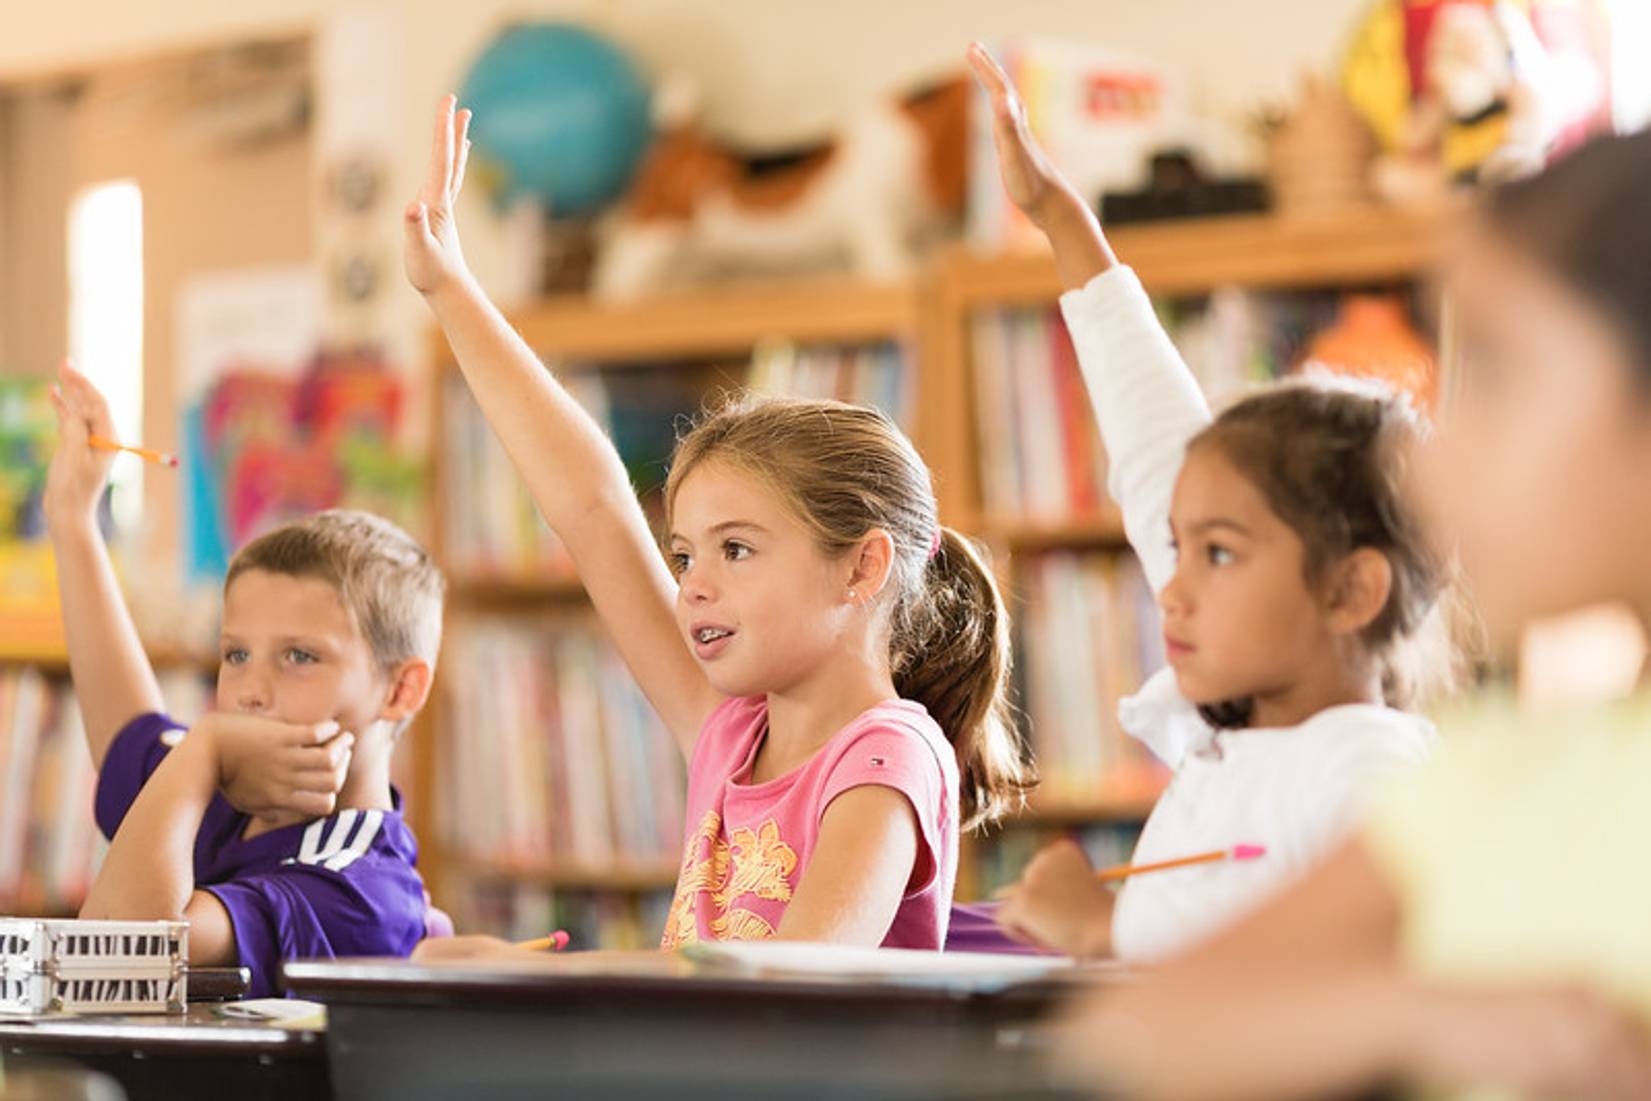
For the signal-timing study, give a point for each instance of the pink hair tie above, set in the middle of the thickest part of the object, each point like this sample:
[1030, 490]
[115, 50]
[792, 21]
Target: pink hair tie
[934, 544]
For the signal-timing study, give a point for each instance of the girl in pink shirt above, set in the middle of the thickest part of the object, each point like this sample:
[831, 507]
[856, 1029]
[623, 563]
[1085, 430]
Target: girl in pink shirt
[831, 660]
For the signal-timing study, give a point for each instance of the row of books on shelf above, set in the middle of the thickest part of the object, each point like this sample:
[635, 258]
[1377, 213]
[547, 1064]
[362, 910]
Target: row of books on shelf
[551, 757]
[490, 526]
[876, 375]
[1089, 636]
[1041, 455]
[592, 919]
[50, 846]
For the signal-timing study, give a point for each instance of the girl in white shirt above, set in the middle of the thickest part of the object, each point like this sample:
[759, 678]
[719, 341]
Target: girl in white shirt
[1292, 577]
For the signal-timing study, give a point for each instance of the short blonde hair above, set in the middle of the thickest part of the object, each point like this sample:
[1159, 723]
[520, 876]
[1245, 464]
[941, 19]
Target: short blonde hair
[389, 583]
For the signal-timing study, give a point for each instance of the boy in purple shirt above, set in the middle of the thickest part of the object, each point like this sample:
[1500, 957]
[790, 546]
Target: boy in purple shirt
[270, 825]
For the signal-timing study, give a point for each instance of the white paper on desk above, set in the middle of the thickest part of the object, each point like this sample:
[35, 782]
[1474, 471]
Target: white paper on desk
[285, 1012]
[905, 966]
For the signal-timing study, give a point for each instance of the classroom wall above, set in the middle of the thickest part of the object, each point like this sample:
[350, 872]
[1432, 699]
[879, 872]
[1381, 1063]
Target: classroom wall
[208, 206]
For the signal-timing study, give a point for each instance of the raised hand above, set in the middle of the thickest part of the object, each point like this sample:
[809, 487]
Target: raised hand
[1034, 184]
[431, 252]
[78, 472]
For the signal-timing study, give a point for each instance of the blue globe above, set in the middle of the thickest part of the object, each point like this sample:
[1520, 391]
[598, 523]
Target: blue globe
[560, 114]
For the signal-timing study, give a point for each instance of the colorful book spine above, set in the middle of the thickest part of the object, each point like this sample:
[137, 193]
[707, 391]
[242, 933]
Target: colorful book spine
[490, 527]
[1041, 455]
[553, 760]
[1089, 636]
[877, 375]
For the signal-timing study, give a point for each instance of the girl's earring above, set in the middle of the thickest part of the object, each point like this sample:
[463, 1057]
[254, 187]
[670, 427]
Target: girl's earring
[853, 596]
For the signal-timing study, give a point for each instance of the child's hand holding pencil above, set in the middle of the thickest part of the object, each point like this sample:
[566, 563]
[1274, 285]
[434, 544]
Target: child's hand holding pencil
[1062, 903]
[78, 470]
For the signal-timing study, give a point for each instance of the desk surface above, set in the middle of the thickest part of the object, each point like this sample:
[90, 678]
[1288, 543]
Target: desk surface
[196, 1054]
[200, 1027]
[652, 1025]
[648, 975]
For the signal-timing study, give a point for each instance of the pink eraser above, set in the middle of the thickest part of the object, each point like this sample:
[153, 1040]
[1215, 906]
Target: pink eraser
[559, 940]
[1248, 852]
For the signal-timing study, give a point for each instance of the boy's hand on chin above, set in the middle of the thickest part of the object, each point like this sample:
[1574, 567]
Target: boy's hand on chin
[270, 769]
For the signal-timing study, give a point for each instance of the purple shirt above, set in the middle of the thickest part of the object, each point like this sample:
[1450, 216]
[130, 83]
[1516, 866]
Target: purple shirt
[344, 885]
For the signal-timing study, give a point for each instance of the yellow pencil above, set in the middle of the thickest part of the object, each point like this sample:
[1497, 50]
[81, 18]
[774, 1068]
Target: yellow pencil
[160, 458]
[553, 943]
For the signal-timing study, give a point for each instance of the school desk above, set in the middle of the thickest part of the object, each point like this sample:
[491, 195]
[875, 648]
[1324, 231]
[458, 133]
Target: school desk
[178, 1058]
[650, 1025]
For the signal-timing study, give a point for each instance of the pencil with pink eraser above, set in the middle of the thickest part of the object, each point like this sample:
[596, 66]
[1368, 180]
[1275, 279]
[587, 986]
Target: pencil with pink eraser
[1237, 852]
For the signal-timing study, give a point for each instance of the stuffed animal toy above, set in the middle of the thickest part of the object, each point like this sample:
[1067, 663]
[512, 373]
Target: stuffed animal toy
[1469, 106]
[699, 209]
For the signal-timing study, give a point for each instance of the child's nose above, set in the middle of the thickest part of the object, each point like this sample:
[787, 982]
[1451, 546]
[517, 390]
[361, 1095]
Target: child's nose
[253, 695]
[1176, 598]
[696, 588]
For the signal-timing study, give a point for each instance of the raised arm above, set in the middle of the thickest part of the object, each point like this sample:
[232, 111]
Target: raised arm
[570, 466]
[113, 679]
[1146, 401]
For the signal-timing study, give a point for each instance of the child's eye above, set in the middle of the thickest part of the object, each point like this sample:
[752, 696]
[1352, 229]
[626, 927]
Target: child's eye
[299, 656]
[235, 657]
[735, 552]
[679, 562]
[1219, 555]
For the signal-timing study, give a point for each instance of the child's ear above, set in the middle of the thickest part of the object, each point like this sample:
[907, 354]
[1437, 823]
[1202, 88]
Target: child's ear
[409, 688]
[1360, 587]
[873, 560]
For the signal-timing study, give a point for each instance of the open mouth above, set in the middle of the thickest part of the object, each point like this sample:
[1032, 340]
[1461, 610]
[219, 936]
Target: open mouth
[709, 639]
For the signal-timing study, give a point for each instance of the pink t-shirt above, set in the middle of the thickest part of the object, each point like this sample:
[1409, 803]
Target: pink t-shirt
[747, 845]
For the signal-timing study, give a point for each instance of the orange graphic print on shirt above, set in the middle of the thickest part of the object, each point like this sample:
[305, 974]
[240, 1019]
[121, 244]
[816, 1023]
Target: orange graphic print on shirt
[717, 872]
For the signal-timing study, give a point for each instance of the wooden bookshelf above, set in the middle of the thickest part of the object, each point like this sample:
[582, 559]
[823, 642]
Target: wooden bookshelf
[1051, 813]
[55, 660]
[1106, 529]
[705, 323]
[1371, 244]
[497, 592]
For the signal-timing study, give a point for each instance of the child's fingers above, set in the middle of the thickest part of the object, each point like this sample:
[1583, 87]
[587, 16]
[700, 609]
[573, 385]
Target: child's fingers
[319, 781]
[460, 147]
[464, 162]
[59, 406]
[993, 79]
[315, 804]
[316, 733]
[441, 149]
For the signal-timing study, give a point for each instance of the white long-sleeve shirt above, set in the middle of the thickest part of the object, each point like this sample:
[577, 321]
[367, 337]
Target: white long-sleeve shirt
[1295, 790]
